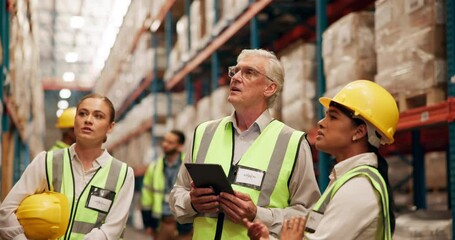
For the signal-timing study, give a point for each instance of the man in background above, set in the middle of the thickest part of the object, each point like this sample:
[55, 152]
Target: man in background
[158, 182]
[66, 125]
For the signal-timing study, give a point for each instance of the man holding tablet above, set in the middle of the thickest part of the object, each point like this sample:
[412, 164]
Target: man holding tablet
[268, 164]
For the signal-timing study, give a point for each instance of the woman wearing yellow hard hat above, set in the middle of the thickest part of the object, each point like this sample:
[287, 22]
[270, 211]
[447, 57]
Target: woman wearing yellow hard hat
[98, 189]
[358, 202]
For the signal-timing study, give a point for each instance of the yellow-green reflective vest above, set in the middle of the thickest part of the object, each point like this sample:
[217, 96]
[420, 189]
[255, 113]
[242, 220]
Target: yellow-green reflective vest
[59, 145]
[60, 179]
[274, 152]
[154, 186]
[379, 186]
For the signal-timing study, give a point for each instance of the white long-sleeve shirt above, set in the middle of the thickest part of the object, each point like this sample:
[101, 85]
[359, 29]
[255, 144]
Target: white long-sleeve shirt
[355, 211]
[33, 180]
[304, 191]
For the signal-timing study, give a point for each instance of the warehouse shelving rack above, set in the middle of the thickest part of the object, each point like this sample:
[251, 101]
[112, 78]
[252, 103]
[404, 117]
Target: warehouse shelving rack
[420, 130]
[15, 152]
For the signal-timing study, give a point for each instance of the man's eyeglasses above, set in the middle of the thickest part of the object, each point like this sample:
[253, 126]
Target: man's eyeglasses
[247, 73]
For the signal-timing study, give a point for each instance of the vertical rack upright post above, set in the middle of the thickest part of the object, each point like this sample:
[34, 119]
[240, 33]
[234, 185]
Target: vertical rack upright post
[4, 34]
[154, 92]
[321, 25]
[215, 58]
[188, 82]
[254, 31]
[168, 42]
[450, 34]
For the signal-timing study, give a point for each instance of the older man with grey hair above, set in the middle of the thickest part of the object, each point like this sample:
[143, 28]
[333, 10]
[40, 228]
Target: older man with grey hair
[268, 164]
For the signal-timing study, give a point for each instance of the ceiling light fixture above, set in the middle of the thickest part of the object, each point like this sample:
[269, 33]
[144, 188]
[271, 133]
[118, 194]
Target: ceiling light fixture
[77, 22]
[65, 93]
[68, 77]
[62, 104]
[59, 112]
[155, 25]
[71, 57]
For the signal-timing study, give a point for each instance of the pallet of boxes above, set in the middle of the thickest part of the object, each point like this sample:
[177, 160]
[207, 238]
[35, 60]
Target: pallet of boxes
[299, 87]
[410, 47]
[348, 51]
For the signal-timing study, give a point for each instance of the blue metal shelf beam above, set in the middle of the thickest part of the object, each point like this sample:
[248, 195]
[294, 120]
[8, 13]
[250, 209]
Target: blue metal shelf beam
[418, 171]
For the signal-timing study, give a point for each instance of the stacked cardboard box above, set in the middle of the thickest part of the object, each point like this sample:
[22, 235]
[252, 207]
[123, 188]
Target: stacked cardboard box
[410, 46]
[22, 86]
[299, 88]
[186, 122]
[220, 105]
[348, 50]
[197, 25]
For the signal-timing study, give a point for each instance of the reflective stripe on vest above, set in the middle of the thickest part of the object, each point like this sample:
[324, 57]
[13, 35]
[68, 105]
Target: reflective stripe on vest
[376, 181]
[154, 186]
[274, 152]
[59, 145]
[82, 219]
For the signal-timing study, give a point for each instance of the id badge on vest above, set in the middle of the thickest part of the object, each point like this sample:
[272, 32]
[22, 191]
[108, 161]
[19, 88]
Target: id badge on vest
[313, 220]
[100, 199]
[249, 177]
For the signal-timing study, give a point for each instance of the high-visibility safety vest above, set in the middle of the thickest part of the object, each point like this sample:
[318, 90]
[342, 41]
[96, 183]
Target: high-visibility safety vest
[379, 186]
[59, 145]
[109, 178]
[274, 153]
[154, 186]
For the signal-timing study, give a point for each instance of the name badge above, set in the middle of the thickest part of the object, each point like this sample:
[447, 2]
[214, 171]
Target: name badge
[314, 218]
[249, 177]
[100, 199]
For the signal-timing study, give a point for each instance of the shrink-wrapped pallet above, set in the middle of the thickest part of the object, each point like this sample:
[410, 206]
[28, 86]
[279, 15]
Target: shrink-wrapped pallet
[348, 49]
[203, 110]
[220, 107]
[186, 122]
[424, 224]
[410, 46]
[299, 87]
[300, 114]
[299, 67]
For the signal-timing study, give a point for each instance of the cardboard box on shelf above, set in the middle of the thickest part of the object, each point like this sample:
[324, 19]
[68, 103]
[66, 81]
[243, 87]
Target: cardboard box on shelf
[220, 107]
[349, 70]
[348, 49]
[299, 66]
[197, 21]
[300, 114]
[415, 84]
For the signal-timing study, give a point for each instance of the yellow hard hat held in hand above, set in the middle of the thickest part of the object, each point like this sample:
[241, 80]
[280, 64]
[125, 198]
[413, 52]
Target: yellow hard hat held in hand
[44, 215]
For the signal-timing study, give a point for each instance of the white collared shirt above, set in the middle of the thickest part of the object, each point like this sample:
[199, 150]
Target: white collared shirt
[243, 140]
[33, 180]
[355, 210]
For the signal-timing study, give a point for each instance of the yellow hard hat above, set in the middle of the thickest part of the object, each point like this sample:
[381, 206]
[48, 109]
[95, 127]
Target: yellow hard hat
[44, 215]
[66, 120]
[371, 102]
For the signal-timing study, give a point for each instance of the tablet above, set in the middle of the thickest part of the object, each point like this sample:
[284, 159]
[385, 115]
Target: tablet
[209, 175]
